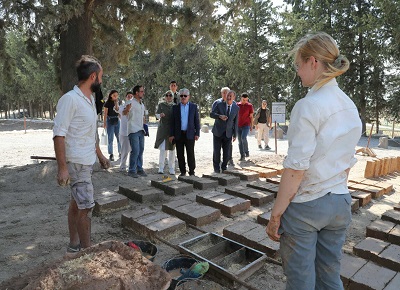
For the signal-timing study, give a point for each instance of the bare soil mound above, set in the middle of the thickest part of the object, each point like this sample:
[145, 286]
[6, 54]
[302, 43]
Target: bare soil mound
[108, 265]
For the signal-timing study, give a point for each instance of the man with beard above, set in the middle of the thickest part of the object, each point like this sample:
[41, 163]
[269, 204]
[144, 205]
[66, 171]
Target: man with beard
[74, 136]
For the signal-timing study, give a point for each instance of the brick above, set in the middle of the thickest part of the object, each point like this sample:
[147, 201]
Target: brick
[392, 216]
[387, 187]
[128, 216]
[370, 248]
[390, 257]
[228, 204]
[255, 196]
[173, 187]
[110, 203]
[397, 207]
[147, 194]
[278, 167]
[243, 174]
[369, 169]
[252, 235]
[265, 186]
[376, 192]
[264, 218]
[275, 180]
[380, 229]
[350, 265]
[394, 283]
[167, 227]
[223, 179]
[355, 204]
[198, 182]
[394, 235]
[371, 276]
[263, 172]
[191, 212]
[364, 198]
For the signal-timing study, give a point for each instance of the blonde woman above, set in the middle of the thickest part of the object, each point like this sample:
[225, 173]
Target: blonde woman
[313, 208]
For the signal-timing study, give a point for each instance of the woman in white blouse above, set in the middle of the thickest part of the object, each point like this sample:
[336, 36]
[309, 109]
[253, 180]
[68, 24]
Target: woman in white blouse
[313, 207]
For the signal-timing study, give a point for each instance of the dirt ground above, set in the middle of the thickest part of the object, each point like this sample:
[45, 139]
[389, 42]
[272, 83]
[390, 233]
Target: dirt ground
[33, 208]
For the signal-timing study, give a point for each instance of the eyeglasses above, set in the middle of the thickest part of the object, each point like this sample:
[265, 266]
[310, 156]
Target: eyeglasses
[183, 96]
[168, 95]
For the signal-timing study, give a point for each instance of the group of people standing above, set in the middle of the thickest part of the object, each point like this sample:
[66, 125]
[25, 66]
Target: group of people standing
[313, 206]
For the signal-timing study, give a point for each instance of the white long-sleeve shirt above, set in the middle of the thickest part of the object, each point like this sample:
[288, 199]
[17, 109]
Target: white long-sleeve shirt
[323, 132]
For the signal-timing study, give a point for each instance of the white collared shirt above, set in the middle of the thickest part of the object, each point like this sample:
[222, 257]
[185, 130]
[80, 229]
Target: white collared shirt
[135, 116]
[324, 129]
[123, 129]
[76, 121]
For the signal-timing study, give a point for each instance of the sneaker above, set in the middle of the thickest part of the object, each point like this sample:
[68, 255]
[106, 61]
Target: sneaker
[111, 157]
[267, 147]
[259, 146]
[247, 155]
[73, 249]
[160, 172]
[142, 173]
[133, 174]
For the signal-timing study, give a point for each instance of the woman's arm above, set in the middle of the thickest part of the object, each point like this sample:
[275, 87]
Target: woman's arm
[105, 117]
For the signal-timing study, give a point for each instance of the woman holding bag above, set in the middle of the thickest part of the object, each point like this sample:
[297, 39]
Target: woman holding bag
[111, 122]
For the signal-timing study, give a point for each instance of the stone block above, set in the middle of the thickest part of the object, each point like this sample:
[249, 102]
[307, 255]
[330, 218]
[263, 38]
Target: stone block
[370, 248]
[228, 204]
[380, 229]
[243, 174]
[383, 142]
[264, 218]
[371, 276]
[223, 179]
[392, 216]
[191, 212]
[355, 204]
[110, 203]
[394, 235]
[363, 197]
[256, 197]
[173, 187]
[145, 194]
[199, 183]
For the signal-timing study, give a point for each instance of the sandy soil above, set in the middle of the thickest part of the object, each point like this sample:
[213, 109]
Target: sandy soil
[33, 209]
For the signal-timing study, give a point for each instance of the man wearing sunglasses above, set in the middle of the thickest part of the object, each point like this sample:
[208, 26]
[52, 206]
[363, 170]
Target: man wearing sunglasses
[185, 130]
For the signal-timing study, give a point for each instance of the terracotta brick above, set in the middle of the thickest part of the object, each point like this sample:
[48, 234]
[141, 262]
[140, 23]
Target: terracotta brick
[275, 180]
[198, 182]
[380, 229]
[371, 276]
[146, 194]
[278, 167]
[256, 197]
[228, 204]
[264, 186]
[370, 248]
[350, 265]
[173, 187]
[392, 216]
[170, 226]
[386, 186]
[394, 283]
[355, 204]
[397, 206]
[243, 174]
[263, 172]
[364, 198]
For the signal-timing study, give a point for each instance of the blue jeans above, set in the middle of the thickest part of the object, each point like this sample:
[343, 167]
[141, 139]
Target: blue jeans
[111, 131]
[312, 236]
[136, 158]
[242, 139]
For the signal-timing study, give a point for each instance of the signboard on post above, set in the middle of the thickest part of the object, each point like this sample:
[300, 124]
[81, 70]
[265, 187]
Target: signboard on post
[278, 116]
[279, 112]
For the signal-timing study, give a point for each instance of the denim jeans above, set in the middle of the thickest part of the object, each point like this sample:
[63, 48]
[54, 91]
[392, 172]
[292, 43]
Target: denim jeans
[312, 236]
[136, 157]
[242, 139]
[111, 131]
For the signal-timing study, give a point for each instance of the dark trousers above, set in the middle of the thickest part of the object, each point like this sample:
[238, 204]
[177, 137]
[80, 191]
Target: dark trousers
[224, 143]
[180, 145]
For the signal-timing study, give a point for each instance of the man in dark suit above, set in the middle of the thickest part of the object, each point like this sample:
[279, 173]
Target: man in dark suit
[185, 130]
[224, 130]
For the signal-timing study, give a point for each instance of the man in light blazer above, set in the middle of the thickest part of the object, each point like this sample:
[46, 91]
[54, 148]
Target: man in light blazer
[224, 130]
[185, 130]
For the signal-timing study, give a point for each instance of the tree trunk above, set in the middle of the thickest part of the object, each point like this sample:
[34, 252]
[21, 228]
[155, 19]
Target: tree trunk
[363, 101]
[75, 41]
